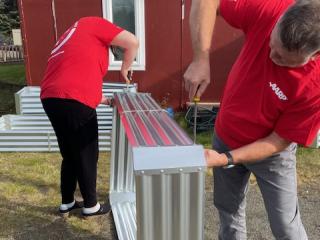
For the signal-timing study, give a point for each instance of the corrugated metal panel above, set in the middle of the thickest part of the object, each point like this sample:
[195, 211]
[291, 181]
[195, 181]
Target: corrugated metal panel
[124, 215]
[27, 100]
[170, 206]
[32, 131]
[41, 122]
[157, 174]
[40, 141]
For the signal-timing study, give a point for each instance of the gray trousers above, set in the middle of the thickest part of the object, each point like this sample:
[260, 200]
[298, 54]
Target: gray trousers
[276, 177]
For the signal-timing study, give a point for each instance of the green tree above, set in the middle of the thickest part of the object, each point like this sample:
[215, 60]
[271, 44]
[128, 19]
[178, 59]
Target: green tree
[9, 17]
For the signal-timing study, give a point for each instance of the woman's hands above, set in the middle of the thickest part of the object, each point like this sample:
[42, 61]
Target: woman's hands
[126, 74]
[105, 100]
[129, 44]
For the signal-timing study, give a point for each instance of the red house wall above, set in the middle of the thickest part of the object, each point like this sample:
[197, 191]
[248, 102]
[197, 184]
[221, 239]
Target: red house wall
[168, 45]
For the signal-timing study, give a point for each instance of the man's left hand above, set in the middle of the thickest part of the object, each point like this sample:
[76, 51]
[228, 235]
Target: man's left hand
[215, 159]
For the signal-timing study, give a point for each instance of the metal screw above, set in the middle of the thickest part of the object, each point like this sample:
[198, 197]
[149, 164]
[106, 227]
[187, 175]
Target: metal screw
[142, 172]
[162, 171]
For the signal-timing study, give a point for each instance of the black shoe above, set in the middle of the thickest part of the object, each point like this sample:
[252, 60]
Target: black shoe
[75, 206]
[104, 209]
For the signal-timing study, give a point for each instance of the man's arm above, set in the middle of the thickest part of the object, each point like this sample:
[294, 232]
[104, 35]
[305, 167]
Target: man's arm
[250, 153]
[130, 44]
[202, 20]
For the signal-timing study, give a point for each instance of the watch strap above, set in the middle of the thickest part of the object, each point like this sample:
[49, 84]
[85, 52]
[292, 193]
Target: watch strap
[230, 158]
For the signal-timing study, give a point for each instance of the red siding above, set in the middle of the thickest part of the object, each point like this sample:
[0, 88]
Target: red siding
[38, 37]
[168, 47]
[163, 51]
[68, 12]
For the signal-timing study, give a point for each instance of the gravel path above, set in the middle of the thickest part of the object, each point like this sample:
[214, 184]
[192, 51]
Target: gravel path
[257, 222]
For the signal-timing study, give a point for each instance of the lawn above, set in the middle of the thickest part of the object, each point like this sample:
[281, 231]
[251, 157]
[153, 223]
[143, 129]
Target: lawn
[30, 197]
[12, 79]
[13, 74]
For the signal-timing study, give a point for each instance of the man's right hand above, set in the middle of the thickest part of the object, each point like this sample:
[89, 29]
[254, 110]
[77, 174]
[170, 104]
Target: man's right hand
[197, 77]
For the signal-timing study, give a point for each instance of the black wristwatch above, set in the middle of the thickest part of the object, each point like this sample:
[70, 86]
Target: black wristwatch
[230, 163]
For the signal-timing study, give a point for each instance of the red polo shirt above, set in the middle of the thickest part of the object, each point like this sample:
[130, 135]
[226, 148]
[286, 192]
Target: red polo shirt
[78, 62]
[261, 97]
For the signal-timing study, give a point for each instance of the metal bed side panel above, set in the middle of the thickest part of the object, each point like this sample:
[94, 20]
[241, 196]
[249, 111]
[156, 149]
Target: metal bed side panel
[170, 206]
[114, 149]
[121, 175]
[124, 215]
[165, 173]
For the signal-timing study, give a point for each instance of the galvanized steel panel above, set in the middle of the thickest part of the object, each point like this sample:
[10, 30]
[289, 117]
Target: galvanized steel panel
[156, 169]
[32, 131]
[40, 141]
[27, 100]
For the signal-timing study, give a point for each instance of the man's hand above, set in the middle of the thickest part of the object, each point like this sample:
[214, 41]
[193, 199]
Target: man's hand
[202, 20]
[197, 77]
[215, 159]
[250, 153]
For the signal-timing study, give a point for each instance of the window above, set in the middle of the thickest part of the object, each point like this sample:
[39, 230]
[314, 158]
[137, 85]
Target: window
[128, 14]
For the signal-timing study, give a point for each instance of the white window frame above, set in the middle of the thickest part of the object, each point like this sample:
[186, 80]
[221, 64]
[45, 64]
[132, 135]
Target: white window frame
[140, 62]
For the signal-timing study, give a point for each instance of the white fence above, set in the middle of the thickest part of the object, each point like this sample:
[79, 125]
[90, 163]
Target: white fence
[11, 53]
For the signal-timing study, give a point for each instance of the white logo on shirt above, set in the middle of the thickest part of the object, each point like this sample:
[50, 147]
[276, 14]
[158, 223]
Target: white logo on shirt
[55, 52]
[278, 92]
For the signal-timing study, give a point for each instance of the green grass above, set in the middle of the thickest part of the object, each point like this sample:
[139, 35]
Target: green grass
[308, 165]
[13, 74]
[30, 196]
[204, 138]
[12, 79]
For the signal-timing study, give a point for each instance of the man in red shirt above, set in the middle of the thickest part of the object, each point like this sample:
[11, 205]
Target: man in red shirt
[271, 102]
[70, 92]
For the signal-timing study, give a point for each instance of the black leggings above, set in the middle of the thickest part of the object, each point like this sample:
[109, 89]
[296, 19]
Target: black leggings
[76, 128]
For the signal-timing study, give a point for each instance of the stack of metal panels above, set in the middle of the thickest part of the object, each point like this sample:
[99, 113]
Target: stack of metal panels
[32, 131]
[157, 174]
[27, 100]
[39, 141]
[42, 123]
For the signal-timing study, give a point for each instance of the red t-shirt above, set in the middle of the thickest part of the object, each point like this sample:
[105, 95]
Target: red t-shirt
[261, 97]
[78, 62]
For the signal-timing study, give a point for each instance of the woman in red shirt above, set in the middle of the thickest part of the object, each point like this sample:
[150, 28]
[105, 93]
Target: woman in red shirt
[70, 92]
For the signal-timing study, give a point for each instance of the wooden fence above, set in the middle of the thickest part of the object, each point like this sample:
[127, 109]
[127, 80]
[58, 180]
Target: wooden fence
[11, 53]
